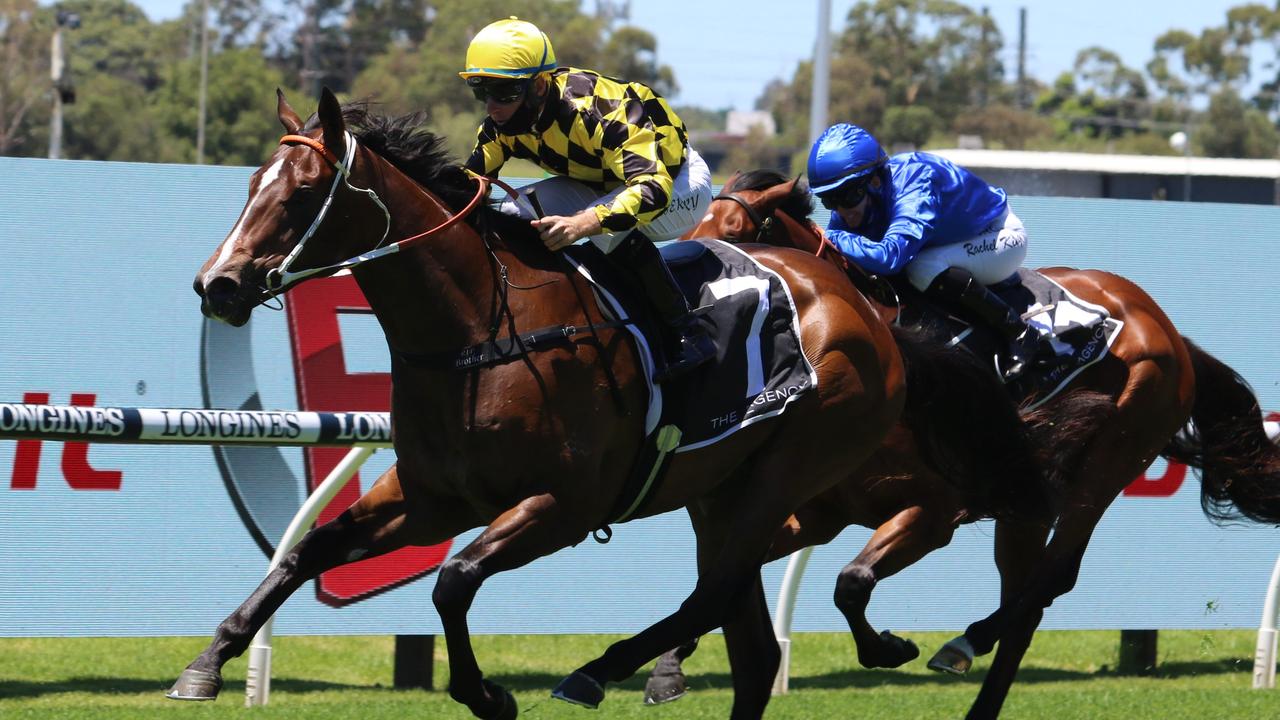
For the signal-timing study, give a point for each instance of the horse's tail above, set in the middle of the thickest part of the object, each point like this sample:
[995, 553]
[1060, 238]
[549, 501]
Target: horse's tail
[969, 430]
[1239, 465]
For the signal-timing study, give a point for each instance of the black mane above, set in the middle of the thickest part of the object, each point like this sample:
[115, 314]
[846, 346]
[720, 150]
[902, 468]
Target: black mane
[417, 152]
[799, 204]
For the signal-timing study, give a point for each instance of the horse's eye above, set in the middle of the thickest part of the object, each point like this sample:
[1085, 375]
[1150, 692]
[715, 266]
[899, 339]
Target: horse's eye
[301, 197]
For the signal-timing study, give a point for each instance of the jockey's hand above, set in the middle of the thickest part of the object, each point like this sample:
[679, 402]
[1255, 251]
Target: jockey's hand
[560, 231]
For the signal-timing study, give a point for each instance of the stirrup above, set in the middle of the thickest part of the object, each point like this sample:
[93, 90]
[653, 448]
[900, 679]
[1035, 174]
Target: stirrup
[1022, 355]
[696, 349]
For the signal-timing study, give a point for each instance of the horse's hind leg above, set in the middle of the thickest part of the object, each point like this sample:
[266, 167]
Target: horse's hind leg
[1019, 548]
[372, 526]
[897, 544]
[536, 527]
[816, 523]
[1055, 576]
[721, 585]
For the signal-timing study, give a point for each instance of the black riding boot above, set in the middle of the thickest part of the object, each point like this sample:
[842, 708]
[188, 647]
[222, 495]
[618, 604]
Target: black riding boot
[960, 288]
[693, 347]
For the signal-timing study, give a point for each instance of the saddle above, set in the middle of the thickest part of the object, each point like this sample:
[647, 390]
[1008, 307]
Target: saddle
[759, 368]
[1074, 333]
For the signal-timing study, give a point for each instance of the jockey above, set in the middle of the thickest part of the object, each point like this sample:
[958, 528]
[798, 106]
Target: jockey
[624, 175]
[950, 232]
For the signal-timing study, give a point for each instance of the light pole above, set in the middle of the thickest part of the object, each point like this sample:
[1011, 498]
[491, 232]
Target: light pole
[63, 92]
[1181, 142]
[821, 88]
[204, 79]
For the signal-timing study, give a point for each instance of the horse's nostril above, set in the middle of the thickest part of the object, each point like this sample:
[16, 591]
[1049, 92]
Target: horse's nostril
[221, 290]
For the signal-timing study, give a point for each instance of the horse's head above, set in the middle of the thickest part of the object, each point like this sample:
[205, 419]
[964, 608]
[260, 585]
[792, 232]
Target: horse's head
[759, 206]
[297, 216]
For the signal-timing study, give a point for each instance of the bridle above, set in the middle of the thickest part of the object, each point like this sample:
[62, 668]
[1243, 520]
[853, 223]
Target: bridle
[281, 278]
[763, 225]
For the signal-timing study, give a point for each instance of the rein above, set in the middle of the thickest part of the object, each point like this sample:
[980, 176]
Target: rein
[491, 352]
[281, 278]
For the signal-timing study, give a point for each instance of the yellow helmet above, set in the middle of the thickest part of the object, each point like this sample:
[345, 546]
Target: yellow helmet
[511, 49]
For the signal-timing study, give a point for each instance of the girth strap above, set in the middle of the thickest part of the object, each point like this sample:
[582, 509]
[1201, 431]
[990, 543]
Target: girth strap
[496, 352]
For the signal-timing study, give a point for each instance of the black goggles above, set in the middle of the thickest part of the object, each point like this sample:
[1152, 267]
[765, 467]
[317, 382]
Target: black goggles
[500, 91]
[846, 195]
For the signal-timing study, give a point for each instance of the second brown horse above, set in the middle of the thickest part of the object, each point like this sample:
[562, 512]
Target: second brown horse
[1123, 412]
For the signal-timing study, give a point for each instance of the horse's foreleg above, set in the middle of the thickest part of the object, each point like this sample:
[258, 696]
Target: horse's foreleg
[897, 544]
[753, 653]
[372, 526]
[536, 527]
[1019, 549]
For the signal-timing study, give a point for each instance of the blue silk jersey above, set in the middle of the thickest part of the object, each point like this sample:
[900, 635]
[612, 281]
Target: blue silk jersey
[928, 201]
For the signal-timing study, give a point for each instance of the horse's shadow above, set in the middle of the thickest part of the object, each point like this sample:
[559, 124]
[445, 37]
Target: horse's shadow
[857, 678]
[539, 681]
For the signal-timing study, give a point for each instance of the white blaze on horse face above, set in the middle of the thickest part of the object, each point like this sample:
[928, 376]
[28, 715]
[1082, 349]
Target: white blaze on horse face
[229, 245]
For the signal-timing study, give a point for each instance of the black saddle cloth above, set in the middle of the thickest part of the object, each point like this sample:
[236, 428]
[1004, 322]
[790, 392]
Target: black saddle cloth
[1074, 334]
[759, 367]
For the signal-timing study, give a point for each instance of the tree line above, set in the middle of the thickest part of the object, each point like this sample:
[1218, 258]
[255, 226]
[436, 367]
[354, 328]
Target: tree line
[916, 72]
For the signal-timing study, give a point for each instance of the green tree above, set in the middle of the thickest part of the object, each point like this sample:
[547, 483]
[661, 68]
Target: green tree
[114, 60]
[632, 54]
[24, 52]
[910, 125]
[403, 79]
[937, 53]
[1233, 129]
[240, 125]
[1004, 126]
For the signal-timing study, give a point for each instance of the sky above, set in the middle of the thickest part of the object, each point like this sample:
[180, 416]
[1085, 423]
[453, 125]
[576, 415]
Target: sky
[725, 51]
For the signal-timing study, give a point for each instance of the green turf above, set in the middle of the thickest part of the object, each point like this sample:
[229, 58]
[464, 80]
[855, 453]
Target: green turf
[1066, 675]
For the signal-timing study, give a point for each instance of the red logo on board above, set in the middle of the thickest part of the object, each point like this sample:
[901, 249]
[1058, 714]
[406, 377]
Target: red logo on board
[324, 385]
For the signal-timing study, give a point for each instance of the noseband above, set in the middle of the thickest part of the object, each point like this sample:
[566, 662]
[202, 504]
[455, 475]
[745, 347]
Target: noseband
[763, 226]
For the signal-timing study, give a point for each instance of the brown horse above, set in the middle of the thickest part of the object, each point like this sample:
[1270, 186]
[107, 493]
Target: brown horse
[1125, 411]
[535, 446]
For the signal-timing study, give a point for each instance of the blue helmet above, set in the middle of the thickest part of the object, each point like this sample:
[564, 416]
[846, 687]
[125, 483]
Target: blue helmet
[843, 151]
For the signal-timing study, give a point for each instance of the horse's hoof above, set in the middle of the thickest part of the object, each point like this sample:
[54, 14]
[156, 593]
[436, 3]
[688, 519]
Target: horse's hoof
[664, 688]
[580, 689]
[508, 710]
[892, 652]
[956, 657]
[196, 685]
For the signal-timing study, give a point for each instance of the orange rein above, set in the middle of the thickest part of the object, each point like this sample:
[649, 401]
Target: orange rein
[481, 191]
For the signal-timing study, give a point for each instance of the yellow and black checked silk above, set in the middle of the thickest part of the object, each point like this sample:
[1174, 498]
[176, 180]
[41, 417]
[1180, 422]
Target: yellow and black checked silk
[604, 133]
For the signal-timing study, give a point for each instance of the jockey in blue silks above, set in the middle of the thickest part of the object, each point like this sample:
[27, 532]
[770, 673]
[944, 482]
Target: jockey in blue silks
[950, 232]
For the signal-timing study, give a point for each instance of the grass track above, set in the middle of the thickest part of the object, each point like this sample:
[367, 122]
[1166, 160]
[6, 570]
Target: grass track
[1202, 675]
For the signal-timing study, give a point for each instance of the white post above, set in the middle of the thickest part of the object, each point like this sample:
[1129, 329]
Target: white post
[1264, 658]
[257, 688]
[782, 615]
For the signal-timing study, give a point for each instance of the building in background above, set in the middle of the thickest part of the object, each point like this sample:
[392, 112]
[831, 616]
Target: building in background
[1130, 177]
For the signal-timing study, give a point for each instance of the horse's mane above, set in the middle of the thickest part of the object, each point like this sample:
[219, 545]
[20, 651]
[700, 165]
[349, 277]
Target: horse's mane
[799, 204]
[406, 143]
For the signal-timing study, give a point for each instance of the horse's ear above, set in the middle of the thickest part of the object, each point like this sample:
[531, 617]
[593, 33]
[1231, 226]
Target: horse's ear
[288, 118]
[791, 186]
[732, 179]
[330, 113]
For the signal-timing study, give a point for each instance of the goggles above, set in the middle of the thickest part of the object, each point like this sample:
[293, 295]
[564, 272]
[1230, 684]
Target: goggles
[503, 92]
[845, 196]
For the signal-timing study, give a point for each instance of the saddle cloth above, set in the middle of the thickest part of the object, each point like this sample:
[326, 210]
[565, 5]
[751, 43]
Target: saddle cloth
[759, 367]
[1079, 334]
